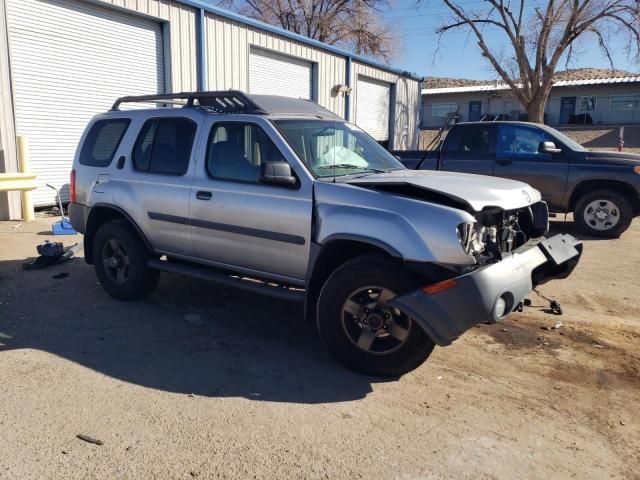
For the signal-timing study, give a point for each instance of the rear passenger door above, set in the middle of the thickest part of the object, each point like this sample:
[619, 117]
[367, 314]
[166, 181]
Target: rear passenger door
[239, 223]
[154, 184]
[469, 148]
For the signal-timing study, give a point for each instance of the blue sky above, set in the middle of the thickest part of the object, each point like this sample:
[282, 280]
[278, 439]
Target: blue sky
[459, 54]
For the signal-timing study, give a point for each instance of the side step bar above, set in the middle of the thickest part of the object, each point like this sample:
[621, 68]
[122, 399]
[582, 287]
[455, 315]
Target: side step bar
[253, 286]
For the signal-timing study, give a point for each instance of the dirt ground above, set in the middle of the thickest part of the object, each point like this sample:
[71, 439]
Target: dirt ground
[199, 381]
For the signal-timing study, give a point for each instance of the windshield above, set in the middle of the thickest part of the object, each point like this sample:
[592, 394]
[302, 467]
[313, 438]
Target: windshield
[330, 148]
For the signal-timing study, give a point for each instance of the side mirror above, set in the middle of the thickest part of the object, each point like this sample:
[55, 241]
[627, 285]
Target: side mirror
[548, 147]
[277, 173]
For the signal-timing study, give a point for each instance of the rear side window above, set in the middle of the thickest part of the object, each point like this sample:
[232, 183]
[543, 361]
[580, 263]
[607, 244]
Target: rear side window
[164, 146]
[471, 139]
[102, 141]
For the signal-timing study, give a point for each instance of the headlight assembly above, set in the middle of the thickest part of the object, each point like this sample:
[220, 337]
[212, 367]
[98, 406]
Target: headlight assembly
[471, 237]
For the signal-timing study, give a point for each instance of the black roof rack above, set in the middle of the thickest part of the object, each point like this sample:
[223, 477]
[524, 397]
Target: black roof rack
[228, 101]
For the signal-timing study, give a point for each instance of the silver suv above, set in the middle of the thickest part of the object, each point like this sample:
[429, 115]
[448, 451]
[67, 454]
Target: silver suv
[281, 197]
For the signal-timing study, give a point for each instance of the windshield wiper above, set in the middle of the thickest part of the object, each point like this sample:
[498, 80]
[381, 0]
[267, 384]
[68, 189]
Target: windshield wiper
[349, 166]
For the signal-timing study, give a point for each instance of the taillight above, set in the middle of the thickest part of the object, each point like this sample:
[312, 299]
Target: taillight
[72, 187]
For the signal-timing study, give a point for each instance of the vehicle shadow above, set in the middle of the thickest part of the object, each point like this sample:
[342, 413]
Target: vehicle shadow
[188, 336]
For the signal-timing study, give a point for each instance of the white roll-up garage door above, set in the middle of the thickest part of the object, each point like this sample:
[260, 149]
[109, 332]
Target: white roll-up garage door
[69, 61]
[373, 103]
[274, 74]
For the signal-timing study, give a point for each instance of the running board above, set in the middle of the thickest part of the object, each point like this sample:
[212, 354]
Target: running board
[247, 284]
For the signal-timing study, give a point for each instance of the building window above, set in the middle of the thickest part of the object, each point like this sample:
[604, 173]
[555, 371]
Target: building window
[624, 103]
[443, 109]
[588, 103]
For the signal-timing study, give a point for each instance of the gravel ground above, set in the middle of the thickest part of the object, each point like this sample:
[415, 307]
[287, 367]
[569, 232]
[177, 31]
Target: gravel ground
[199, 381]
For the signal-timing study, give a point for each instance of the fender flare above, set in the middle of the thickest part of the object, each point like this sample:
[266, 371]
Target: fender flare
[90, 229]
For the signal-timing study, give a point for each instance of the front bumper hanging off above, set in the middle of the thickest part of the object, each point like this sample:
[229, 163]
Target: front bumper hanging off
[489, 293]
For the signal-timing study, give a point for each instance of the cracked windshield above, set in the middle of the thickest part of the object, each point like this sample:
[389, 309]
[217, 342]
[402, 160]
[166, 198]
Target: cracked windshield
[332, 149]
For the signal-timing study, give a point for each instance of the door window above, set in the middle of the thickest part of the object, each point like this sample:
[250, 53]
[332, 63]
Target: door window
[518, 140]
[236, 150]
[164, 146]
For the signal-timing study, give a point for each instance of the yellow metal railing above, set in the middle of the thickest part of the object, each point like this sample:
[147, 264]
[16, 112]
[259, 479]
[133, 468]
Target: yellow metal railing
[25, 181]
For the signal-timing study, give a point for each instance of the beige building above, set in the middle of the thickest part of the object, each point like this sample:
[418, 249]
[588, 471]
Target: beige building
[62, 61]
[578, 96]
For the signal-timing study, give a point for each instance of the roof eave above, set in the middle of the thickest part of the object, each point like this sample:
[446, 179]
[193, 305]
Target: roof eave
[295, 36]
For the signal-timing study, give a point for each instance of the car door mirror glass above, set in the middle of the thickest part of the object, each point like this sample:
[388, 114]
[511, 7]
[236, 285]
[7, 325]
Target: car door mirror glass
[549, 147]
[277, 173]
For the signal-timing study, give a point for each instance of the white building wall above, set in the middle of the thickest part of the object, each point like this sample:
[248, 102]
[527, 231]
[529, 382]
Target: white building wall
[603, 113]
[227, 56]
[502, 102]
[9, 201]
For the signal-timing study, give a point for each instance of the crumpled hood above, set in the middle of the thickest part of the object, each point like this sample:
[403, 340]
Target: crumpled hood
[477, 191]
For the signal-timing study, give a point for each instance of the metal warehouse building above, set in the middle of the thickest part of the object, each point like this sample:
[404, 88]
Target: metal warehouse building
[62, 61]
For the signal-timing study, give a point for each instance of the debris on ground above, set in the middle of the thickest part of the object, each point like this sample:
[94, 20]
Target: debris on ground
[60, 275]
[51, 253]
[89, 439]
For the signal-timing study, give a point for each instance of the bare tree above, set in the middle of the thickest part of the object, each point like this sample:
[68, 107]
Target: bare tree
[353, 24]
[540, 34]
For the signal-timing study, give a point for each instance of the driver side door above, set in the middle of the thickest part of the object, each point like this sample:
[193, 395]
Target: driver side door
[238, 222]
[518, 158]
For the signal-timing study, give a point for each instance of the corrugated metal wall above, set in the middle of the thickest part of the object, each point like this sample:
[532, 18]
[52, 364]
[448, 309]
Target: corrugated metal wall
[407, 103]
[227, 64]
[9, 201]
[228, 45]
[182, 37]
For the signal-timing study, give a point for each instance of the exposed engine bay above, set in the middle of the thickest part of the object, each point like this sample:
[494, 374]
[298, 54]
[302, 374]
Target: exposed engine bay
[497, 231]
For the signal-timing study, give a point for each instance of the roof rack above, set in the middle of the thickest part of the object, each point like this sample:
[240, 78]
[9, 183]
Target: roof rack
[228, 101]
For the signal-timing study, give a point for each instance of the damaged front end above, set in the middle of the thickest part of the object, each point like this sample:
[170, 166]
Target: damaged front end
[511, 260]
[497, 231]
[489, 293]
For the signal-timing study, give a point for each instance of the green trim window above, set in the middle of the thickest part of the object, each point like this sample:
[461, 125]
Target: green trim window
[629, 103]
[443, 109]
[588, 103]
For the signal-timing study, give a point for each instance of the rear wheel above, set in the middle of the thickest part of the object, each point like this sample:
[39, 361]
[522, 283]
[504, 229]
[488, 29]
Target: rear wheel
[359, 326]
[603, 213]
[120, 260]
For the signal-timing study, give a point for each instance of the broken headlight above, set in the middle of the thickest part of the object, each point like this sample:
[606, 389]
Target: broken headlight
[471, 236]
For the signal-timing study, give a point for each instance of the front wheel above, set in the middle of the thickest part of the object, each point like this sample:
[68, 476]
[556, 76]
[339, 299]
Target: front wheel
[603, 213]
[360, 328]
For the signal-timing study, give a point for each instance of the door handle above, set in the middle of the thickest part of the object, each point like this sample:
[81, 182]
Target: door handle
[202, 195]
[120, 164]
[504, 161]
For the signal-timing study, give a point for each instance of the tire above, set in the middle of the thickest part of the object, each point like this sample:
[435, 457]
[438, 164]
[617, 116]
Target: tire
[615, 210]
[347, 336]
[120, 260]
